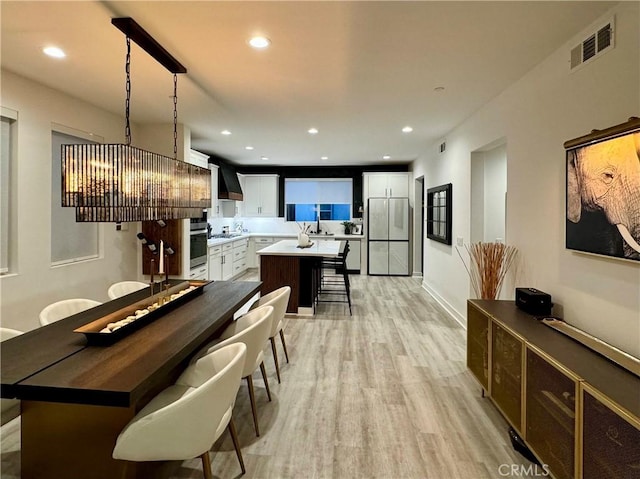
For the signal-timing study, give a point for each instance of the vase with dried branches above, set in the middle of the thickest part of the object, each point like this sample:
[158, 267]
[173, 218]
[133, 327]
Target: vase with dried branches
[488, 266]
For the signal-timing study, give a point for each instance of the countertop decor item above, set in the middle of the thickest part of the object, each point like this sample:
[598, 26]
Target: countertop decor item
[488, 266]
[115, 326]
[147, 186]
[349, 226]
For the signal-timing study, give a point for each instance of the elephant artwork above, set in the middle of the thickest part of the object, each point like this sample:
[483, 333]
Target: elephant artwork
[603, 197]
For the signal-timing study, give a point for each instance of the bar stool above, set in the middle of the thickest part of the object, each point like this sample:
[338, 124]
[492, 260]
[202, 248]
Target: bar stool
[333, 284]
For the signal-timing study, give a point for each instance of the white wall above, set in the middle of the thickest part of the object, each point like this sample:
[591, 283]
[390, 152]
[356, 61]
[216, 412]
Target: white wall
[495, 187]
[536, 115]
[36, 283]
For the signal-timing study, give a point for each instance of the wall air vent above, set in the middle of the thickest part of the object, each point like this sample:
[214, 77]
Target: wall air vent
[443, 146]
[597, 42]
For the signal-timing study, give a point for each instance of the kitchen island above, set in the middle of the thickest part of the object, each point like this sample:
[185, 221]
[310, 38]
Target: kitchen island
[286, 264]
[77, 398]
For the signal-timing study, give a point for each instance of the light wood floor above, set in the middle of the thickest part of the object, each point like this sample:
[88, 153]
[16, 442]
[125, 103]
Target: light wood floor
[384, 393]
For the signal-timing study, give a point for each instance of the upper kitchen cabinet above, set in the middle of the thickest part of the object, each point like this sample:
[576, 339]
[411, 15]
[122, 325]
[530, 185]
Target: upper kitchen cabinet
[260, 195]
[215, 202]
[199, 159]
[386, 185]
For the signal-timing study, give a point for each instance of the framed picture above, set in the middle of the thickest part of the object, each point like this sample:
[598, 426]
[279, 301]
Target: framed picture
[603, 192]
[439, 213]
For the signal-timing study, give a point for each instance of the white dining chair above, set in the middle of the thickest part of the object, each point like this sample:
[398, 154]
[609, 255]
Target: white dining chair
[67, 307]
[252, 329]
[123, 288]
[279, 299]
[184, 420]
[9, 407]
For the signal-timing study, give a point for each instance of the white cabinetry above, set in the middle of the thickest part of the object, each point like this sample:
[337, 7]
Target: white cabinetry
[228, 260]
[198, 159]
[240, 256]
[258, 243]
[215, 202]
[199, 272]
[215, 263]
[260, 195]
[386, 184]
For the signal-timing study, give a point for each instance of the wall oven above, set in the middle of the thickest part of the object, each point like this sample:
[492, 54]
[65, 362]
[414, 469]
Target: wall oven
[198, 249]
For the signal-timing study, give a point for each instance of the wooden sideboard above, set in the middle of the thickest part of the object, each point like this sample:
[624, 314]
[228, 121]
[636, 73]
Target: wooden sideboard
[577, 411]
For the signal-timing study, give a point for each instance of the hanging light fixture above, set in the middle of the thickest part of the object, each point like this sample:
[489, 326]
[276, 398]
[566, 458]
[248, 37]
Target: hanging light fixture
[120, 183]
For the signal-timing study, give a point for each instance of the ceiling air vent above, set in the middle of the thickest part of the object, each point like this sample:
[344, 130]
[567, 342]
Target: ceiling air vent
[443, 146]
[598, 41]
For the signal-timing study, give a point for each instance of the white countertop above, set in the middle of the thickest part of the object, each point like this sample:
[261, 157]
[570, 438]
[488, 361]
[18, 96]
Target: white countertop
[219, 241]
[290, 248]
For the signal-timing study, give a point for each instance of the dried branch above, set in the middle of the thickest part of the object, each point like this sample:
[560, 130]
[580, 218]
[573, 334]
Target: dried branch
[488, 266]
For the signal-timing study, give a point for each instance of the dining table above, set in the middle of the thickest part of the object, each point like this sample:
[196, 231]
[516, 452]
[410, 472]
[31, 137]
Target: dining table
[287, 263]
[76, 397]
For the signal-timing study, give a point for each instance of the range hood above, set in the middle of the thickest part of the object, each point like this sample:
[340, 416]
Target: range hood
[228, 183]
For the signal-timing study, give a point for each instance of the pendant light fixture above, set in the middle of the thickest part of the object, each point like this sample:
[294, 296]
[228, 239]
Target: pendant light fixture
[120, 183]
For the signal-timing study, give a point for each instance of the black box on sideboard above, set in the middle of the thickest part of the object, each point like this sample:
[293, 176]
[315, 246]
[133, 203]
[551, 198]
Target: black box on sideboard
[533, 301]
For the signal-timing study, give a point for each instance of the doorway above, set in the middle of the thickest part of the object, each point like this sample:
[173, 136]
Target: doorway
[418, 239]
[489, 193]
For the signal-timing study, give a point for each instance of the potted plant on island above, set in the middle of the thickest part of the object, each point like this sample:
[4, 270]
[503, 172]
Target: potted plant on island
[348, 227]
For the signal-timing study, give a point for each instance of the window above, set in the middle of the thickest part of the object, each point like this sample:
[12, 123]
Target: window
[70, 241]
[316, 199]
[6, 148]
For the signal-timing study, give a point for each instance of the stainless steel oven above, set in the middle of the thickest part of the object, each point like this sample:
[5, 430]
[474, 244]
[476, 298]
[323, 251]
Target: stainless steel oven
[198, 249]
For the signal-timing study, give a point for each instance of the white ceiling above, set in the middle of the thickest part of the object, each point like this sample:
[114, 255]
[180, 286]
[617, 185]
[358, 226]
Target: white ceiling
[357, 71]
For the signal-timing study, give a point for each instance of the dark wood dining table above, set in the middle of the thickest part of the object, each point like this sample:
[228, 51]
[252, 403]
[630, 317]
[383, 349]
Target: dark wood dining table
[76, 398]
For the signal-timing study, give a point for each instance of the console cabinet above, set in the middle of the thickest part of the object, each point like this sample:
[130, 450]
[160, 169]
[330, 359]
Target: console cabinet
[577, 411]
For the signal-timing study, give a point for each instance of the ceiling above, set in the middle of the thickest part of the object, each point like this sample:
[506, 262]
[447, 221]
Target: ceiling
[357, 71]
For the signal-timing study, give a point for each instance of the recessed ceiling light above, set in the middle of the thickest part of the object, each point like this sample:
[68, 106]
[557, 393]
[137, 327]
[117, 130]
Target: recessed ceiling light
[312, 131]
[407, 129]
[54, 52]
[259, 42]
[248, 147]
[264, 158]
[225, 132]
[323, 158]
[386, 157]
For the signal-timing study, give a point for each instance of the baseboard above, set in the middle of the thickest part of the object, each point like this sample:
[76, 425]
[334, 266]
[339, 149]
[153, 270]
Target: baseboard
[449, 309]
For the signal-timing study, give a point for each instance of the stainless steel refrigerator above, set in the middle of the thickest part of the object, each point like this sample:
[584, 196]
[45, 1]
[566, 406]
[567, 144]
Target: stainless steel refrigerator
[388, 236]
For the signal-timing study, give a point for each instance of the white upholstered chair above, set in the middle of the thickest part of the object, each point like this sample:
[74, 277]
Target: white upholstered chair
[67, 307]
[123, 288]
[184, 420]
[252, 329]
[279, 299]
[9, 407]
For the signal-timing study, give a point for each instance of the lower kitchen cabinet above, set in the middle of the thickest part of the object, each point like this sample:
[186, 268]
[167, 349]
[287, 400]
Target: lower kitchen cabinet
[215, 263]
[199, 272]
[353, 257]
[577, 411]
[227, 260]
